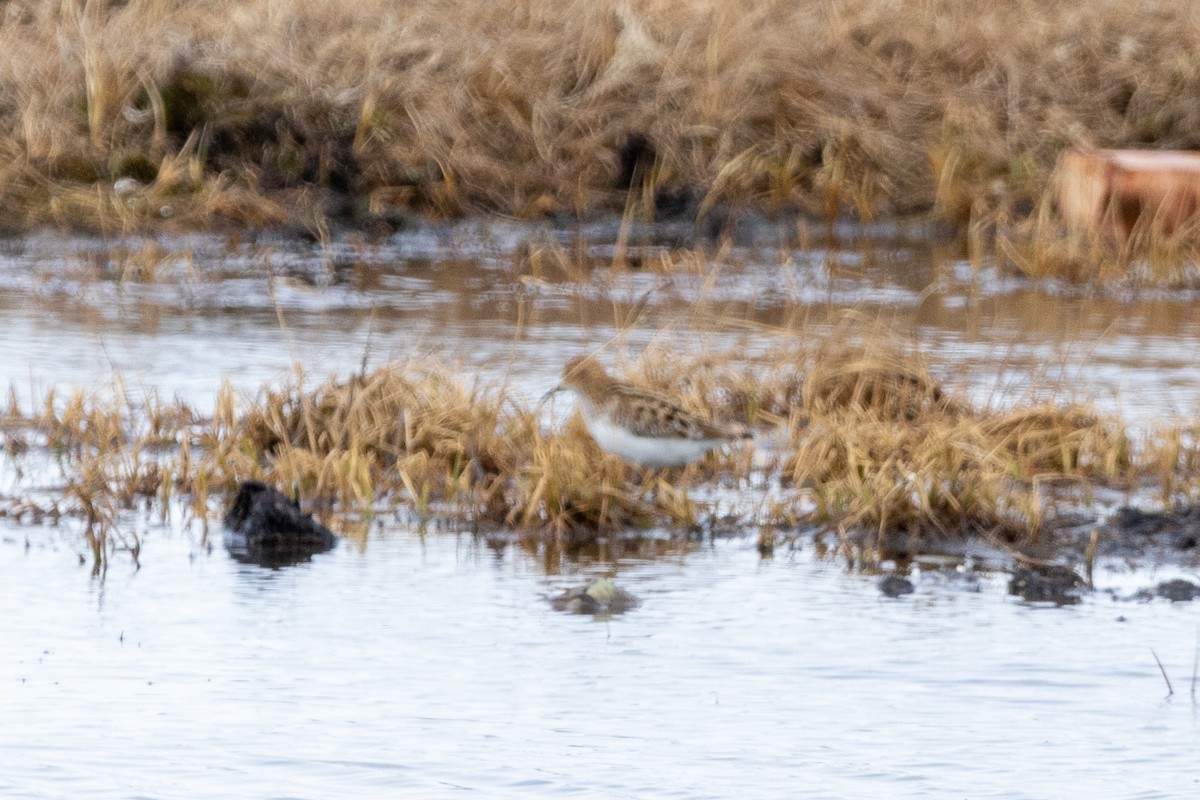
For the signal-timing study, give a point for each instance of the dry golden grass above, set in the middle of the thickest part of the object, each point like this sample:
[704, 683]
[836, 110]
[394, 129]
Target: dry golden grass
[397, 430]
[870, 444]
[111, 451]
[885, 448]
[872, 375]
[254, 111]
[1041, 247]
[1171, 454]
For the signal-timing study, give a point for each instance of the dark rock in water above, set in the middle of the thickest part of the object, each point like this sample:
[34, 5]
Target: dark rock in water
[1178, 590]
[1047, 584]
[895, 586]
[600, 597]
[266, 527]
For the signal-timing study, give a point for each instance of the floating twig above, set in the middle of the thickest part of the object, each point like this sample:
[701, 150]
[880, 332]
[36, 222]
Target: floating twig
[1090, 556]
[1195, 665]
[1170, 690]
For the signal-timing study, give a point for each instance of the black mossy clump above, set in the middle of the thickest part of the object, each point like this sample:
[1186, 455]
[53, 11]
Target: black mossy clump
[1047, 584]
[265, 527]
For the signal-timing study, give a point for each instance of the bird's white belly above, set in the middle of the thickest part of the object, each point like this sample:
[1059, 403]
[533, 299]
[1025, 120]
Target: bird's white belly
[644, 450]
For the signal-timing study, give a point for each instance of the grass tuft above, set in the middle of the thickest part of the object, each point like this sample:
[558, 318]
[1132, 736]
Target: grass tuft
[855, 435]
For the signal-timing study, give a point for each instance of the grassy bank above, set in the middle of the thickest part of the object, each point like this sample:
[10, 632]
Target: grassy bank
[854, 436]
[152, 112]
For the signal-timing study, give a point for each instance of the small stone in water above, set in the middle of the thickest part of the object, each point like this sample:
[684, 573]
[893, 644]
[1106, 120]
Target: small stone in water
[602, 596]
[895, 586]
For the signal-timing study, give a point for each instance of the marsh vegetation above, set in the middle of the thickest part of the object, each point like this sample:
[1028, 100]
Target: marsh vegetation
[160, 113]
[360, 320]
[854, 434]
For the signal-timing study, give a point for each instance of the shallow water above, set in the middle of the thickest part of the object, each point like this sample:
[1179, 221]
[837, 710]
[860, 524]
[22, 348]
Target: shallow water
[433, 666]
[248, 311]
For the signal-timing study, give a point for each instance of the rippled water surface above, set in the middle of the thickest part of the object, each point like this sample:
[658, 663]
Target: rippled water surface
[77, 311]
[432, 665]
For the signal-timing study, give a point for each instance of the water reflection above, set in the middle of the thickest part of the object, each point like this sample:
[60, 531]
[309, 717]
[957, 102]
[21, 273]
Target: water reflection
[426, 663]
[248, 310]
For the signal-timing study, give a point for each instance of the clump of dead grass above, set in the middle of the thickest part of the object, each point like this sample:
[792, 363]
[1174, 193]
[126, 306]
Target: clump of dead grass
[399, 429]
[1041, 247]
[873, 445]
[424, 437]
[932, 479]
[1071, 440]
[573, 489]
[1170, 456]
[885, 449]
[872, 376]
[107, 446]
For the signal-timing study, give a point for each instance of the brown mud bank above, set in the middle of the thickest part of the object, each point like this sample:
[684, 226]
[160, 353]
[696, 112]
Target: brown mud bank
[153, 113]
[855, 441]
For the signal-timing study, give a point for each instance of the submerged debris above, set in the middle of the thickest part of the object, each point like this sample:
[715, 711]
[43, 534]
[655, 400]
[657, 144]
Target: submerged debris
[265, 527]
[1047, 583]
[602, 596]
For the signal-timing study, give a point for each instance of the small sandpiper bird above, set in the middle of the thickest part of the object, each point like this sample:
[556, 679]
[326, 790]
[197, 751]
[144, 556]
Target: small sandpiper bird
[640, 425]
